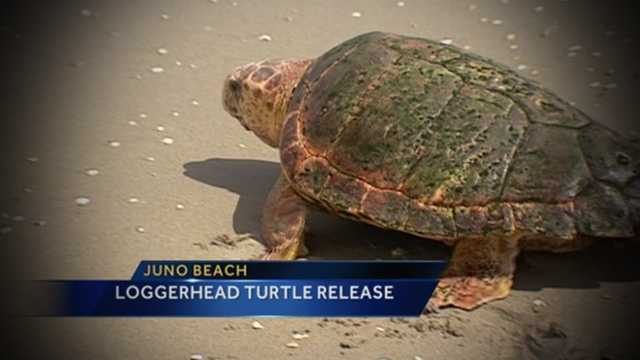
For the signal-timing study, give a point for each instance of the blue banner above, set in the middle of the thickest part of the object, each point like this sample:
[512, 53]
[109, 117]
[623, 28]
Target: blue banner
[253, 288]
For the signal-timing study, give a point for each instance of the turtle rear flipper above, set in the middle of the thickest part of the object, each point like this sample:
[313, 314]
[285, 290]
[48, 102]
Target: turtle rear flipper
[480, 271]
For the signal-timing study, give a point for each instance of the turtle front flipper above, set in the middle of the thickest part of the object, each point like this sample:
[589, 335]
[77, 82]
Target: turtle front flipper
[283, 221]
[481, 270]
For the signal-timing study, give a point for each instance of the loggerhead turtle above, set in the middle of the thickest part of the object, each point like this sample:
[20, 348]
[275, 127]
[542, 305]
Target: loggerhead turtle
[411, 135]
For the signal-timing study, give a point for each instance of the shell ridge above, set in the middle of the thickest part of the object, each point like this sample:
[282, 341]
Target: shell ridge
[508, 169]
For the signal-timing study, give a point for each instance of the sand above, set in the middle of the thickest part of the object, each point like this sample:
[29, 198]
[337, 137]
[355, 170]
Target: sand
[117, 149]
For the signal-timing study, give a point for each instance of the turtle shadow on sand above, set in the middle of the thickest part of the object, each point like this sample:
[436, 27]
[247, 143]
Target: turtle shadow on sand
[331, 237]
[250, 179]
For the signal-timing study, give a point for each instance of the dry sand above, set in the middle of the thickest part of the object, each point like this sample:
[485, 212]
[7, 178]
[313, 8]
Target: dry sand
[85, 76]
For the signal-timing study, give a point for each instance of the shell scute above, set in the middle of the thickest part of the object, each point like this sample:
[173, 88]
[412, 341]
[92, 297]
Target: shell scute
[482, 221]
[433, 221]
[549, 167]
[472, 143]
[390, 129]
[540, 105]
[346, 193]
[385, 207]
[554, 221]
[336, 88]
[609, 157]
[313, 175]
[601, 210]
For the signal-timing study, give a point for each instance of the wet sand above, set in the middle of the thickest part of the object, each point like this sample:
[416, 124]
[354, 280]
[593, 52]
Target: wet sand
[118, 150]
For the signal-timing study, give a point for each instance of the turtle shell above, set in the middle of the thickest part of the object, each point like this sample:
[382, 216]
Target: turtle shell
[411, 135]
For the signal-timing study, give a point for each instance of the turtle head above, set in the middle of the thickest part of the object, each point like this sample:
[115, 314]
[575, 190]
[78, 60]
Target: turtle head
[257, 94]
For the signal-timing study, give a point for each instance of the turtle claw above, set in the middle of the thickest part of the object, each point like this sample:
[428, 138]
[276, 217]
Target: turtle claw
[468, 292]
[290, 252]
[280, 255]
